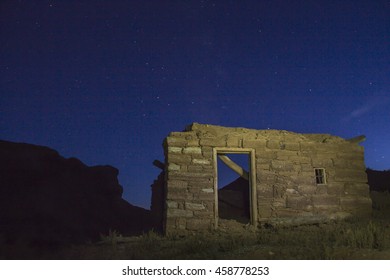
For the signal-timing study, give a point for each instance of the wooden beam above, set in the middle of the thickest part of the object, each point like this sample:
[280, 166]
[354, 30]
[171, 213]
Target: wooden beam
[234, 166]
[159, 164]
[357, 139]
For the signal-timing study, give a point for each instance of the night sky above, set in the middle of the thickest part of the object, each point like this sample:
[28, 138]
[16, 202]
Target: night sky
[106, 81]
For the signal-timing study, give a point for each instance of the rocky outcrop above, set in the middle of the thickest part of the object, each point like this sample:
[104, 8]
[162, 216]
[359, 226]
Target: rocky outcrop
[233, 201]
[48, 199]
[379, 180]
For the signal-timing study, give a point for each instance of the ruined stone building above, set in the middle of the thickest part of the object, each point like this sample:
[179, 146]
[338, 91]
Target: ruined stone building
[291, 178]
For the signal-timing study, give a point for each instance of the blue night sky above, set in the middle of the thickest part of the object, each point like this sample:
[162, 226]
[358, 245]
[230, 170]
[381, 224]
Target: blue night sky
[106, 81]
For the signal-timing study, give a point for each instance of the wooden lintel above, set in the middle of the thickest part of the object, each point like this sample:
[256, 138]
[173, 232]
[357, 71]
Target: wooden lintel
[234, 166]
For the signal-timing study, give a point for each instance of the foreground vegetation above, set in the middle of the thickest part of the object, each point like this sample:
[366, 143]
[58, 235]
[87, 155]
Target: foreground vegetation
[351, 239]
[347, 240]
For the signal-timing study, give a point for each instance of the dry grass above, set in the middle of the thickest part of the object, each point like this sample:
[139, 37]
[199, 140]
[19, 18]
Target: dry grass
[352, 239]
[342, 240]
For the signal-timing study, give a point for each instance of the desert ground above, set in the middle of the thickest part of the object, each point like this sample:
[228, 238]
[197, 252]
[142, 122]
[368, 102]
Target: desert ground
[350, 239]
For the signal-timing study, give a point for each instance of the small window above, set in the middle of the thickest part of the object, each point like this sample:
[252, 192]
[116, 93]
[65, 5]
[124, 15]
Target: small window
[320, 176]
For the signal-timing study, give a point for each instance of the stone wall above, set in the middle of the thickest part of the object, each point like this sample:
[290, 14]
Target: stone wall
[283, 183]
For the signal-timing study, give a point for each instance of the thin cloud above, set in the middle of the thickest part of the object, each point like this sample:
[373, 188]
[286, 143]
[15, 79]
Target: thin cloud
[362, 110]
[365, 109]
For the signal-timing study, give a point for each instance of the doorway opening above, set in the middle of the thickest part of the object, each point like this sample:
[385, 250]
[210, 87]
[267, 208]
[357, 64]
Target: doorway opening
[235, 188]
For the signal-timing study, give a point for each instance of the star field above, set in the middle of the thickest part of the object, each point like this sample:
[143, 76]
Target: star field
[106, 81]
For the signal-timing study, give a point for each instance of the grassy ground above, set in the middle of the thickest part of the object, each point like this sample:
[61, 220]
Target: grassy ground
[347, 240]
[352, 239]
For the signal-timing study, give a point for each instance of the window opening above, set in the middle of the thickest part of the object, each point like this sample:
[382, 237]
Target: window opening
[320, 176]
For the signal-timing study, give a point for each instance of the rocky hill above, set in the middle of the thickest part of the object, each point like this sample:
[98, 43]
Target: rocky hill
[379, 180]
[233, 201]
[48, 199]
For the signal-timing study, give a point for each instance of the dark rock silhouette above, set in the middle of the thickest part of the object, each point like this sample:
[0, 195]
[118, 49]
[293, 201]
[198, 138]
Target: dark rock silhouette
[157, 202]
[233, 201]
[378, 180]
[46, 199]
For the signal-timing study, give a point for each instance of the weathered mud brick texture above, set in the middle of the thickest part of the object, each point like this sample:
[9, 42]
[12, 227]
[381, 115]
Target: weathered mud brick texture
[287, 191]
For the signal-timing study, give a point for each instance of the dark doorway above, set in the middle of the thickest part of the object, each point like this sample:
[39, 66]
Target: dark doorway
[233, 189]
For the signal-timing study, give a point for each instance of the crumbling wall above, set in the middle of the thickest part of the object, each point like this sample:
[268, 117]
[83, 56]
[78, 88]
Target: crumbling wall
[285, 182]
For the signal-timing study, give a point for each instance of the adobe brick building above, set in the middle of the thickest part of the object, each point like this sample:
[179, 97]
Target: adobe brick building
[293, 178]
